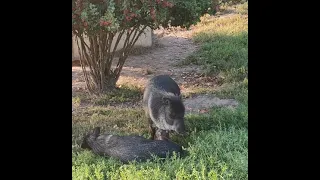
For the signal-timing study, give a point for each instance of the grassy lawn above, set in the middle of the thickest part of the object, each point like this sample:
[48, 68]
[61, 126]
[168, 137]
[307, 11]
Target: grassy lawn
[218, 142]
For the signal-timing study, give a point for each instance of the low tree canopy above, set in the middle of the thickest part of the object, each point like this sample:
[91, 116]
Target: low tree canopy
[105, 22]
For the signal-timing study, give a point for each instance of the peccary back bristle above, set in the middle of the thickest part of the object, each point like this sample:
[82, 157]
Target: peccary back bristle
[129, 148]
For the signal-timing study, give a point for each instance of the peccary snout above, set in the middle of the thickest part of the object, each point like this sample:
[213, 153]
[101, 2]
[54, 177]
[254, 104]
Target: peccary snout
[180, 127]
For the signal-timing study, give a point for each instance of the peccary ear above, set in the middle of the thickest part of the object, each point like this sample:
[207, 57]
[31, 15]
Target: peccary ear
[96, 131]
[166, 101]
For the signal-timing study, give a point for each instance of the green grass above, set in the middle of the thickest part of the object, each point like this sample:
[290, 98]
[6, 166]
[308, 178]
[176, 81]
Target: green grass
[220, 154]
[225, 45]
[217, 146]
[121, 95]
[242, 8]
[218, 142]
[123, 121]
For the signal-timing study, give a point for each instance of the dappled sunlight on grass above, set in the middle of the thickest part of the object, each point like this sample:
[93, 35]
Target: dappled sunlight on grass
[217, 143]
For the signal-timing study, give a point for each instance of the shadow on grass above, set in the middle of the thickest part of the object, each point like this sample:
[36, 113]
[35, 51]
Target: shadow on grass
[124, 94]
[219, 119]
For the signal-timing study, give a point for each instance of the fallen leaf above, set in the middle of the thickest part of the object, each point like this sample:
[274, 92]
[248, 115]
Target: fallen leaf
[203, 110]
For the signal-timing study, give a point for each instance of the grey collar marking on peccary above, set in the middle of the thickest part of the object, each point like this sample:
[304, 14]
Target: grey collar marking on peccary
[161, 116]
[163, 105]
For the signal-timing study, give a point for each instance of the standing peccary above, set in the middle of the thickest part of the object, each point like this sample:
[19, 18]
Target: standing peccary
[163, 106]
[128, 148]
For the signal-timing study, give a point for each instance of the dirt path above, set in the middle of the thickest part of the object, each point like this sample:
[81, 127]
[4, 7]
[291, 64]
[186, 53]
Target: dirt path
[167, 51]
[170, 47]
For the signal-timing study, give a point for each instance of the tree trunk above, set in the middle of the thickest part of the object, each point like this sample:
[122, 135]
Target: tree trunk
[109, 84]
[97, 55]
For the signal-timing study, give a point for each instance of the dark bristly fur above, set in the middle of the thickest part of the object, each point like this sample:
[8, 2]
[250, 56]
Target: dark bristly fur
[163, 105]
[128, 148]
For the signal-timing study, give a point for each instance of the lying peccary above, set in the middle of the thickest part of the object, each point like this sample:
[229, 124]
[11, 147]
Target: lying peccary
[163, 106]
[128, 148]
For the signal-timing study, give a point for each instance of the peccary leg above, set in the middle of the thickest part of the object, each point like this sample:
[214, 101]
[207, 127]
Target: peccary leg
[152, 130]
[167, 135]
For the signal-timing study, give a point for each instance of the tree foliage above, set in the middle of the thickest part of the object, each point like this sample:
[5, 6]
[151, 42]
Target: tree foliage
[106, 22]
